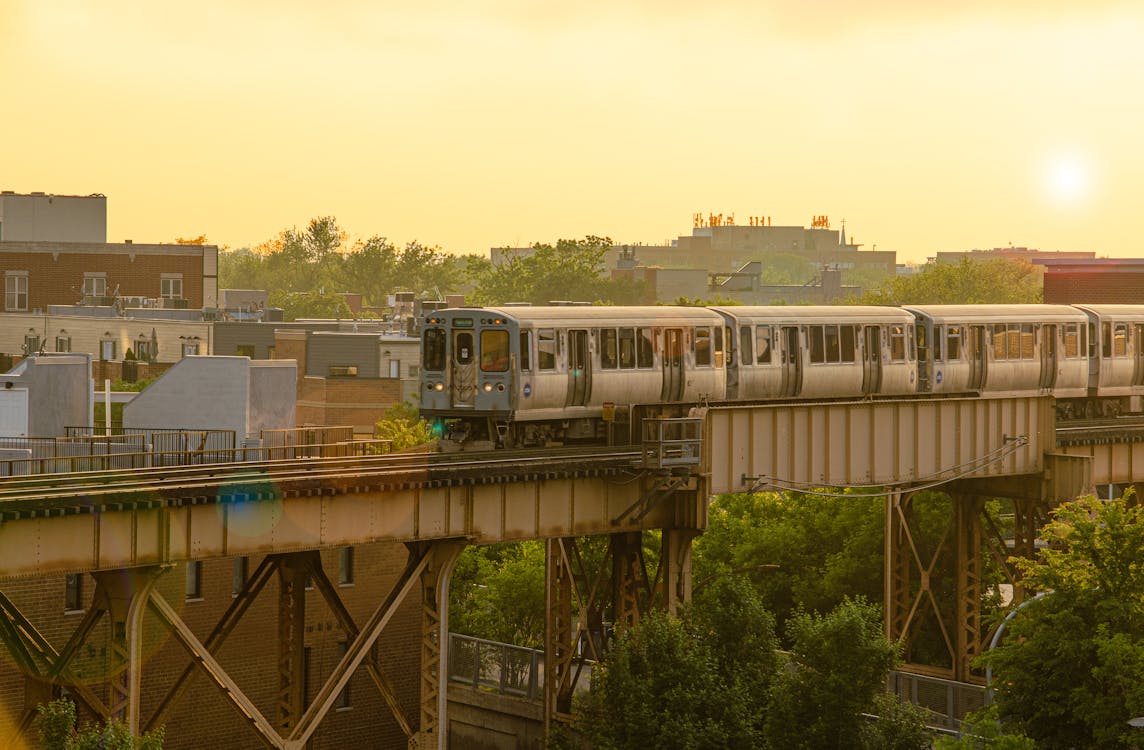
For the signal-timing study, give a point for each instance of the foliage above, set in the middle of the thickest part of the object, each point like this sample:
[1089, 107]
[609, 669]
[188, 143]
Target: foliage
[688, 682]
[982, 730]
[402, 426]
[801, 551]
[56, 722]
[568, 270]
[996, 281]
[1070, 672]
[297, 305]
[200, 240]
[839, 663]
[131, 386]
[319, 260]
[497, 593]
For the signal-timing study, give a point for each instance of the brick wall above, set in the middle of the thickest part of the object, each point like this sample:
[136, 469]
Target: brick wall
[1112, 286]
[204, 718]
[346, 401]
[55, 272]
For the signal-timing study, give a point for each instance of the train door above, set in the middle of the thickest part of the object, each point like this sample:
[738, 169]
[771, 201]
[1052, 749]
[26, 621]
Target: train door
[924, 333]
[464, 380]
[579, 368]
[791, 359]
[871, 359]
[734, 361]
[1138, 343]
[672, 365]
[976, 346]
[1048, 356]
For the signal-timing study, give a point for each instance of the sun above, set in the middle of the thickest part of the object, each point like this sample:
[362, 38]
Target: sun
[1067, 179]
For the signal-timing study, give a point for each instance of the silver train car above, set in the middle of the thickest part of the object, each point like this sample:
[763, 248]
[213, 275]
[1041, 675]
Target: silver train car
[536, 376]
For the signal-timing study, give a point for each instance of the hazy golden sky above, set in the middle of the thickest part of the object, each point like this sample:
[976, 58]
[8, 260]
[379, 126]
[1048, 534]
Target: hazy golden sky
[479, 124]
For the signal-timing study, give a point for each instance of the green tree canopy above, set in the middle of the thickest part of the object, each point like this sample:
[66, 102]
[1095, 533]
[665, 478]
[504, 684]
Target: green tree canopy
[56, 723]
[1070, 672]
[569, 270]
[996, 281]
[403, 428]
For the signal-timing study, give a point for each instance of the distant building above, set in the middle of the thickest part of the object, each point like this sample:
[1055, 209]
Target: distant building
[43, 217]
[1014, 253]
[1117, 281]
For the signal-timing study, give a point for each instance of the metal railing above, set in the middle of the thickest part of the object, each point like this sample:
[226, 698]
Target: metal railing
[496, 667]
[947, 701]
[672, 442]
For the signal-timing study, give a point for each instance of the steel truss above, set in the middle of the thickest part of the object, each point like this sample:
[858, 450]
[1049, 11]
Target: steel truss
[583, 603]
[917, 606]
[123, 596]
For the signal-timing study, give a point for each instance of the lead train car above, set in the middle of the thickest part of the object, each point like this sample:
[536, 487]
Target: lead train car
[527, 376]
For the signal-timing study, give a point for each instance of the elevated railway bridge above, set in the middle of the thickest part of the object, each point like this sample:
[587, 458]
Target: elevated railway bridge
[127, 528]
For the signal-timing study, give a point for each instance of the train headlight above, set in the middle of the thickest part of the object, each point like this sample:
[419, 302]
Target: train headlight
[500, 387]
[440, 386]
[488, 387]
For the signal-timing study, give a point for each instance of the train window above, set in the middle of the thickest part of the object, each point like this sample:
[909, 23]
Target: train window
[719, 347]
[525, 351]
[898, 343]
[848, 347]
[763, 345]
[546, 349]
[910, 342]
[745, 355]
[627, 348]
[952, 343]
[999, 341]
[703, 347]
[1027, 339]
[494, 351]
[1120, 340]
[1072, 340]
[833, 347]
[608, 348]
[817, 345]
[1013, 333]
[434, 354]
[1106, 340]
[645, 354]
[463, 348]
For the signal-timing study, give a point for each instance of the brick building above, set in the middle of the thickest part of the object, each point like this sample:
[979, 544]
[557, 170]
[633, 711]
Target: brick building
[39, 274]
[1094, 281]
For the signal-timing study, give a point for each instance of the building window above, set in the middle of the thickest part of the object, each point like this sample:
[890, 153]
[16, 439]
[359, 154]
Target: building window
[146, 350]
[31, 344]
[16, 291]
[190, 349]
[95, 285]
[343, 371]
[394, 368]
[195, 580]
[346, 566]
[171, 286]
[239, 573]
[107, 350]
[63, 343]
[73, 592]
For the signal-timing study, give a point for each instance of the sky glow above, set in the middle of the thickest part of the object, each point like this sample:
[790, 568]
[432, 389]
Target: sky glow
[472, 125]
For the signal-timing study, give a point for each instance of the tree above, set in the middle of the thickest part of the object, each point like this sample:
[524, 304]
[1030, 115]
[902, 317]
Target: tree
[996, 281]
[569, 270]
[838, 666]
[1070, 672]
[56, 723]
[310, 305]
[497, 593]
[694, 682]
[403, 428]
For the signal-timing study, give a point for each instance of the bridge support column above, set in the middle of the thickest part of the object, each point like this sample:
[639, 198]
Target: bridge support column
[559, 630]
[123, 595]
[629, 579]
[898, 561]
[293, 572]
[967, 510]
[674, 581]
[434, 728]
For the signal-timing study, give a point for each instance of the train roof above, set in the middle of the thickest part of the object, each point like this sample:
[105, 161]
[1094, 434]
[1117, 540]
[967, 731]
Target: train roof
[816, 313]
[595, 315]
[997, 313]
[1120, 312]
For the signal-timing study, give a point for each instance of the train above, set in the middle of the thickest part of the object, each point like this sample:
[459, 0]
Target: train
[523, 376]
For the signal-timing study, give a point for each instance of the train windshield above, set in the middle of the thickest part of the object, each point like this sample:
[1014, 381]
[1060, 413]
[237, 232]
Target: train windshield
[494, 351]
[434, 355]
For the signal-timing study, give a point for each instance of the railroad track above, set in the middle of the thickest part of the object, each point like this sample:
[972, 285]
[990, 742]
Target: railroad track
[306, 475]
